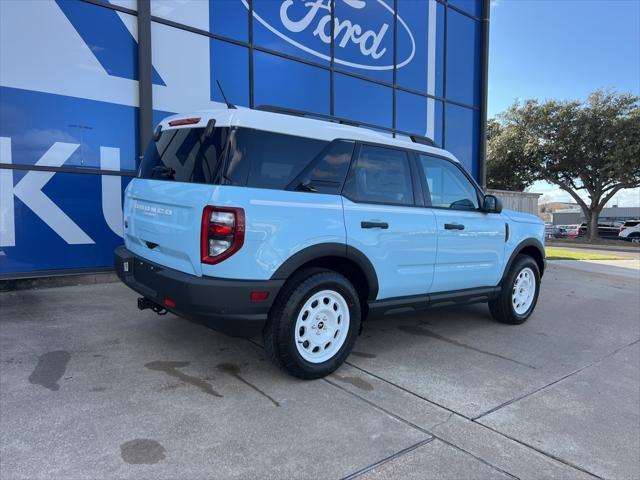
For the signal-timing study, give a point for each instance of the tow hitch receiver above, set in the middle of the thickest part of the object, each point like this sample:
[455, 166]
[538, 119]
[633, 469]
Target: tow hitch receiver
[144, 303]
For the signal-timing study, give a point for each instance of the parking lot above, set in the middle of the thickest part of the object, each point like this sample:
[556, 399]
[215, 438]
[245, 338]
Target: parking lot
[93, 388]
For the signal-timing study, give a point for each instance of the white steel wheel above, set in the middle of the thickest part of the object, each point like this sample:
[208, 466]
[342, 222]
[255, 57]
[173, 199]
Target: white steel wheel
[322, 326]
[524, 291]
[635, 239]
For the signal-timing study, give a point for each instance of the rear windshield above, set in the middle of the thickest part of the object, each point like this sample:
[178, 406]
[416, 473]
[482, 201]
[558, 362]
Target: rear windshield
[185, 155]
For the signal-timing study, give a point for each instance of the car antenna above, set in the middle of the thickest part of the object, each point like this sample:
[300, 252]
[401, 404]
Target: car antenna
[229, 105]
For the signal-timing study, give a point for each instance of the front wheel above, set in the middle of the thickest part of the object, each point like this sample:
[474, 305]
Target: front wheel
[519, 293]
[313, 325]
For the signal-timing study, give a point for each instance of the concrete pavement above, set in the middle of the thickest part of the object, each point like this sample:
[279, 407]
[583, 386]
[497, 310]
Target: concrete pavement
[90, 387]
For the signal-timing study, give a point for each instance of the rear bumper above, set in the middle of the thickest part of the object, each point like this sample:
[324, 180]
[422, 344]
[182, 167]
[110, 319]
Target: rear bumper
[222, 304]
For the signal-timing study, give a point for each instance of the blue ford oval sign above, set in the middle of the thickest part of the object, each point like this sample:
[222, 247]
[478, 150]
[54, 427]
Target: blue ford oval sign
[363, 30]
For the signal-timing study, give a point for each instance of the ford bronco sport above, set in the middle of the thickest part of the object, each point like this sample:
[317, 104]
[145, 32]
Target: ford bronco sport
[257, 222]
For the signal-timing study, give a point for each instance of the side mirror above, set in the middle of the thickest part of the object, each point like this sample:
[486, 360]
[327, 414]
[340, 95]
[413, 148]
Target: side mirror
[491, 204]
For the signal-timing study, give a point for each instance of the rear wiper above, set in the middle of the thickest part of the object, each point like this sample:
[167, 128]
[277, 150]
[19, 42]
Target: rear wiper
[306, 187]
[163, 171]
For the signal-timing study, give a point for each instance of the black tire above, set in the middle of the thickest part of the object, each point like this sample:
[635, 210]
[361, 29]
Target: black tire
[279, 333]
[634, 237]
[502, 308]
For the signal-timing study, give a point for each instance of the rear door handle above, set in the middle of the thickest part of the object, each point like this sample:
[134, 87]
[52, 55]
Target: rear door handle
[453, 226]
[383, 225]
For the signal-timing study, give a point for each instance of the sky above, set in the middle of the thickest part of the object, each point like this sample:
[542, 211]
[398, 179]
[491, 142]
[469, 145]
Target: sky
[563, 49]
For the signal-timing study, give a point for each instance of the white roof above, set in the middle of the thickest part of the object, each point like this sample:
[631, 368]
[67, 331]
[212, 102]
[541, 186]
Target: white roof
[295, 125]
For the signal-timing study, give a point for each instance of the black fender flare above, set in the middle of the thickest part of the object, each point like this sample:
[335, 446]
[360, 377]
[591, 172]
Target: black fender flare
[332, 249]
[529, 242]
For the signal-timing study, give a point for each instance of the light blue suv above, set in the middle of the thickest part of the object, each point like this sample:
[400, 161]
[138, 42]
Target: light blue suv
[253, 221]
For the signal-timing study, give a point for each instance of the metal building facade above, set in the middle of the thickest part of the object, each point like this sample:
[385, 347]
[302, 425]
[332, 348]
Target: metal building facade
[83, 81]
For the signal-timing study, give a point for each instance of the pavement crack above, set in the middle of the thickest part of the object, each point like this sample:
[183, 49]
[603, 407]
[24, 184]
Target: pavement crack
[451, 414]
[234, 371]
[421, 330]
[388, 459]
[533, 392]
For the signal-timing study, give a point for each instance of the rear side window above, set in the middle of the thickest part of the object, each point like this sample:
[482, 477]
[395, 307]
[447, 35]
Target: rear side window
[185, 155]
[327, 172]
[448, 186]
[380, 175]
[273, 160]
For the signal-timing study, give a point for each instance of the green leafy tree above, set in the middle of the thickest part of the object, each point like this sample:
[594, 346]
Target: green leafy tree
[588, 149]
[506, 169]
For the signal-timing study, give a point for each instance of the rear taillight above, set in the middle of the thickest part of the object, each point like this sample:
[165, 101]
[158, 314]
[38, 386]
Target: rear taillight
[222, 233]
[622, 228]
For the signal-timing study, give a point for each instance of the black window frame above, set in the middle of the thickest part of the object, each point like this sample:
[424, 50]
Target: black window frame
[412, 172]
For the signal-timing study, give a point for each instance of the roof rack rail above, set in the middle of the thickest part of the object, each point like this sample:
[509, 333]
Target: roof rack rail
[344, 121]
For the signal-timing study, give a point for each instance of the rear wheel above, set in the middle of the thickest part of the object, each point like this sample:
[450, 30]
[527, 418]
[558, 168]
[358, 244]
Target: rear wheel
[313, 324]
[519, 293]
[634, 237]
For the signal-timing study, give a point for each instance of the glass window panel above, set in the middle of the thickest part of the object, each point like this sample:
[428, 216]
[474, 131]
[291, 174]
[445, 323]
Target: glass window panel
[380, 175]
[327, 174]
[182, 57]
[185, 155]
[193, 13]
[462, 136]
[229, 18]
[287, 83]
[463, 58]
[276, 159]
[364, 38]
[362, 100]
[301, 29]
[425, 71]
[448, 186]
[474, 7]
[418, 114]
[230, 65]
[72, 130]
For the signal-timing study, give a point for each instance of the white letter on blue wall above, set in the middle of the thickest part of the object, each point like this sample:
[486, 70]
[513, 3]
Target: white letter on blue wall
[29, 191]
[111, 189]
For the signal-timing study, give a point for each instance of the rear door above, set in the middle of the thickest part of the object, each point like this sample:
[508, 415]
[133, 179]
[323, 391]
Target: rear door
[385, 223]
[470, 242]
[163, 206]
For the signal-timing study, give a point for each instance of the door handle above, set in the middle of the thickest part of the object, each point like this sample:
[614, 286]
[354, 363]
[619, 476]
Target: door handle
[453, 226]
[383, 225]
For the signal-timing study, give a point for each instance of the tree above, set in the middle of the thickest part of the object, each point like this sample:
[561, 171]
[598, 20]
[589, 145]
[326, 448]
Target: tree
[506, 169]
[590, 148]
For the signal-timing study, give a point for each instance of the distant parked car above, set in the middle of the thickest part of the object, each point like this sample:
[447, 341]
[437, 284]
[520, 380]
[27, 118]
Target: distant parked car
[574, 231]
[564, 230]
[554, 231]
[630, 231]
[605, 230]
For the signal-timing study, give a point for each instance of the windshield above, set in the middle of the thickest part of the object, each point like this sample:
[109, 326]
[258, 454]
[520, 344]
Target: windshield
[185, 155]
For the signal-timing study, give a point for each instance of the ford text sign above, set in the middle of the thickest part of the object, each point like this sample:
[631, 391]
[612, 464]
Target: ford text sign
[363, 30]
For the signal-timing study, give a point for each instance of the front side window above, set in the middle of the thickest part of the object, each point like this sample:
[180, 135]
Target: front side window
[273, 159]
[448, 186]
[185, 155]
[380, 175]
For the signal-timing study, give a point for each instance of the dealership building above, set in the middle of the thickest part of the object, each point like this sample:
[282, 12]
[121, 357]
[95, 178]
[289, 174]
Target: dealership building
[82, 83]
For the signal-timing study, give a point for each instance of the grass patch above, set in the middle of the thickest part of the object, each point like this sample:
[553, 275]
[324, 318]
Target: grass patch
[562, 254]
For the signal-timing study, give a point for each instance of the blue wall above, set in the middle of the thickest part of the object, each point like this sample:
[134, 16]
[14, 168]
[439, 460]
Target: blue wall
[69, 95]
